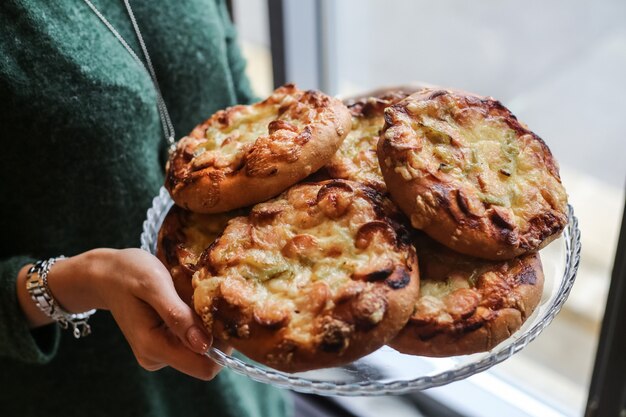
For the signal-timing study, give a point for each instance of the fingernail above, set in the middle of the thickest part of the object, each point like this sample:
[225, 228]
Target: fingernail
[198, 340]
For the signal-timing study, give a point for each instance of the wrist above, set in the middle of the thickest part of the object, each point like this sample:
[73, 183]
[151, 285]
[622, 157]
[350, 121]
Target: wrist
[39, 291]
[76, 282]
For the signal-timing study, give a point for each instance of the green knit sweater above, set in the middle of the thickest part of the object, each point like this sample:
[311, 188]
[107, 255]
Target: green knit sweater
[81, 157]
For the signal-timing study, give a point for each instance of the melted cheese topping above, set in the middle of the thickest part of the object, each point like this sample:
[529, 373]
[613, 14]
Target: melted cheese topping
[225, 146]
[441, 288]
[454, 286]
[465, 147]
[356, 159]
[200, 230]
[300, 261]
[436, 292]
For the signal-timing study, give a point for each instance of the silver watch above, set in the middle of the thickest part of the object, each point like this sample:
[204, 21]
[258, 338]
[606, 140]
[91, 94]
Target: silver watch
[37, 286]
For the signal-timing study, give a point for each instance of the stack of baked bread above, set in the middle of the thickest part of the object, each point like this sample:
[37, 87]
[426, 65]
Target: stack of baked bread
[307, 232]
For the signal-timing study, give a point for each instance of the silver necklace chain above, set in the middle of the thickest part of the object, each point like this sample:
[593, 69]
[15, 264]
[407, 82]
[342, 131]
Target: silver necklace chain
[166, 122]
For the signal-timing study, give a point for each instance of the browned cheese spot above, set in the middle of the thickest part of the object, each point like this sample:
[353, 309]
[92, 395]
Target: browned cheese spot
[495, 289]
[271, 316]
[461, 303]
[334, 199]
[276, 125]
[317, 295]
[263, 214]
[527, 276]
[369, 309]
[259, 161]
[365, 234]
[303, 247]
[502, 218]
[335, 335]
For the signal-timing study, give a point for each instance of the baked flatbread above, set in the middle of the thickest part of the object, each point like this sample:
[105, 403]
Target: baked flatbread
[317, 277]
[469, 174]
[468, 305]
[248, 154]
[356, 159]
[182, 239]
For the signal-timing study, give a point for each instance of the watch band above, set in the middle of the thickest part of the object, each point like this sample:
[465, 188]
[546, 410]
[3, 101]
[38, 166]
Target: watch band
[37, 286]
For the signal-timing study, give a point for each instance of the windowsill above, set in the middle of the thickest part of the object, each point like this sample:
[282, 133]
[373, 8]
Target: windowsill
[482, 395]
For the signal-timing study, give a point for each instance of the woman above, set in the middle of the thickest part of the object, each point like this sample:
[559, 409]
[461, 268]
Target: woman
[82, 157]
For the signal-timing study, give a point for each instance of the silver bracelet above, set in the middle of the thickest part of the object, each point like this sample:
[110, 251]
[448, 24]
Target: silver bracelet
[37, 286]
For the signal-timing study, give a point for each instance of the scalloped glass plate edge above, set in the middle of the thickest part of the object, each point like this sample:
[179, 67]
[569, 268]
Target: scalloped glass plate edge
[571, 237]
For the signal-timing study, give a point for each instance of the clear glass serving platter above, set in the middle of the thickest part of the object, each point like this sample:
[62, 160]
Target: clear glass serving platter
[387, 371]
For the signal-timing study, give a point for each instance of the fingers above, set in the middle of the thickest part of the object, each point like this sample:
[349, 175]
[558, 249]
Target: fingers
[155, 346]
[161, 329]
[150, 365]
[182, 321]
[169, 349]
[159, 292]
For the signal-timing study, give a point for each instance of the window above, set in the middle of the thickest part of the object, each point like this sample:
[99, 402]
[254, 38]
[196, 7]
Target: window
[557, 65]
[252, 21]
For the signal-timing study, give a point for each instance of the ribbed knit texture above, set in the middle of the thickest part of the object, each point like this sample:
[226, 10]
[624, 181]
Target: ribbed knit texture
[81, 157]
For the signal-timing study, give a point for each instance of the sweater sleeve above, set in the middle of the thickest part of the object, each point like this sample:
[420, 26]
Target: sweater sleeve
[235, 60]
[17, 340]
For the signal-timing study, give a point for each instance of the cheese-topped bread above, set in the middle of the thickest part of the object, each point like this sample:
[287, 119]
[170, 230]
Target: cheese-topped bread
[469, 174]
[183, 237]
[356, 159]
[247, 154]
[468, 305]
[321, 275]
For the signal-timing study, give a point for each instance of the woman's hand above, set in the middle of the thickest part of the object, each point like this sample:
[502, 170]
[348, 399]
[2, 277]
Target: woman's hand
[160, 328]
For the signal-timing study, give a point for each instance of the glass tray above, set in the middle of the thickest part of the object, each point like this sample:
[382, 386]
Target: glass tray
[387, 371]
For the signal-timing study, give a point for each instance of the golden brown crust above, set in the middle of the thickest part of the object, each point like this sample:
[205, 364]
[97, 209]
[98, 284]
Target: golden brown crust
[470, 175]
[356, 159]
[182, 238]
[263, 149]
[468, 305]
[317, 277]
